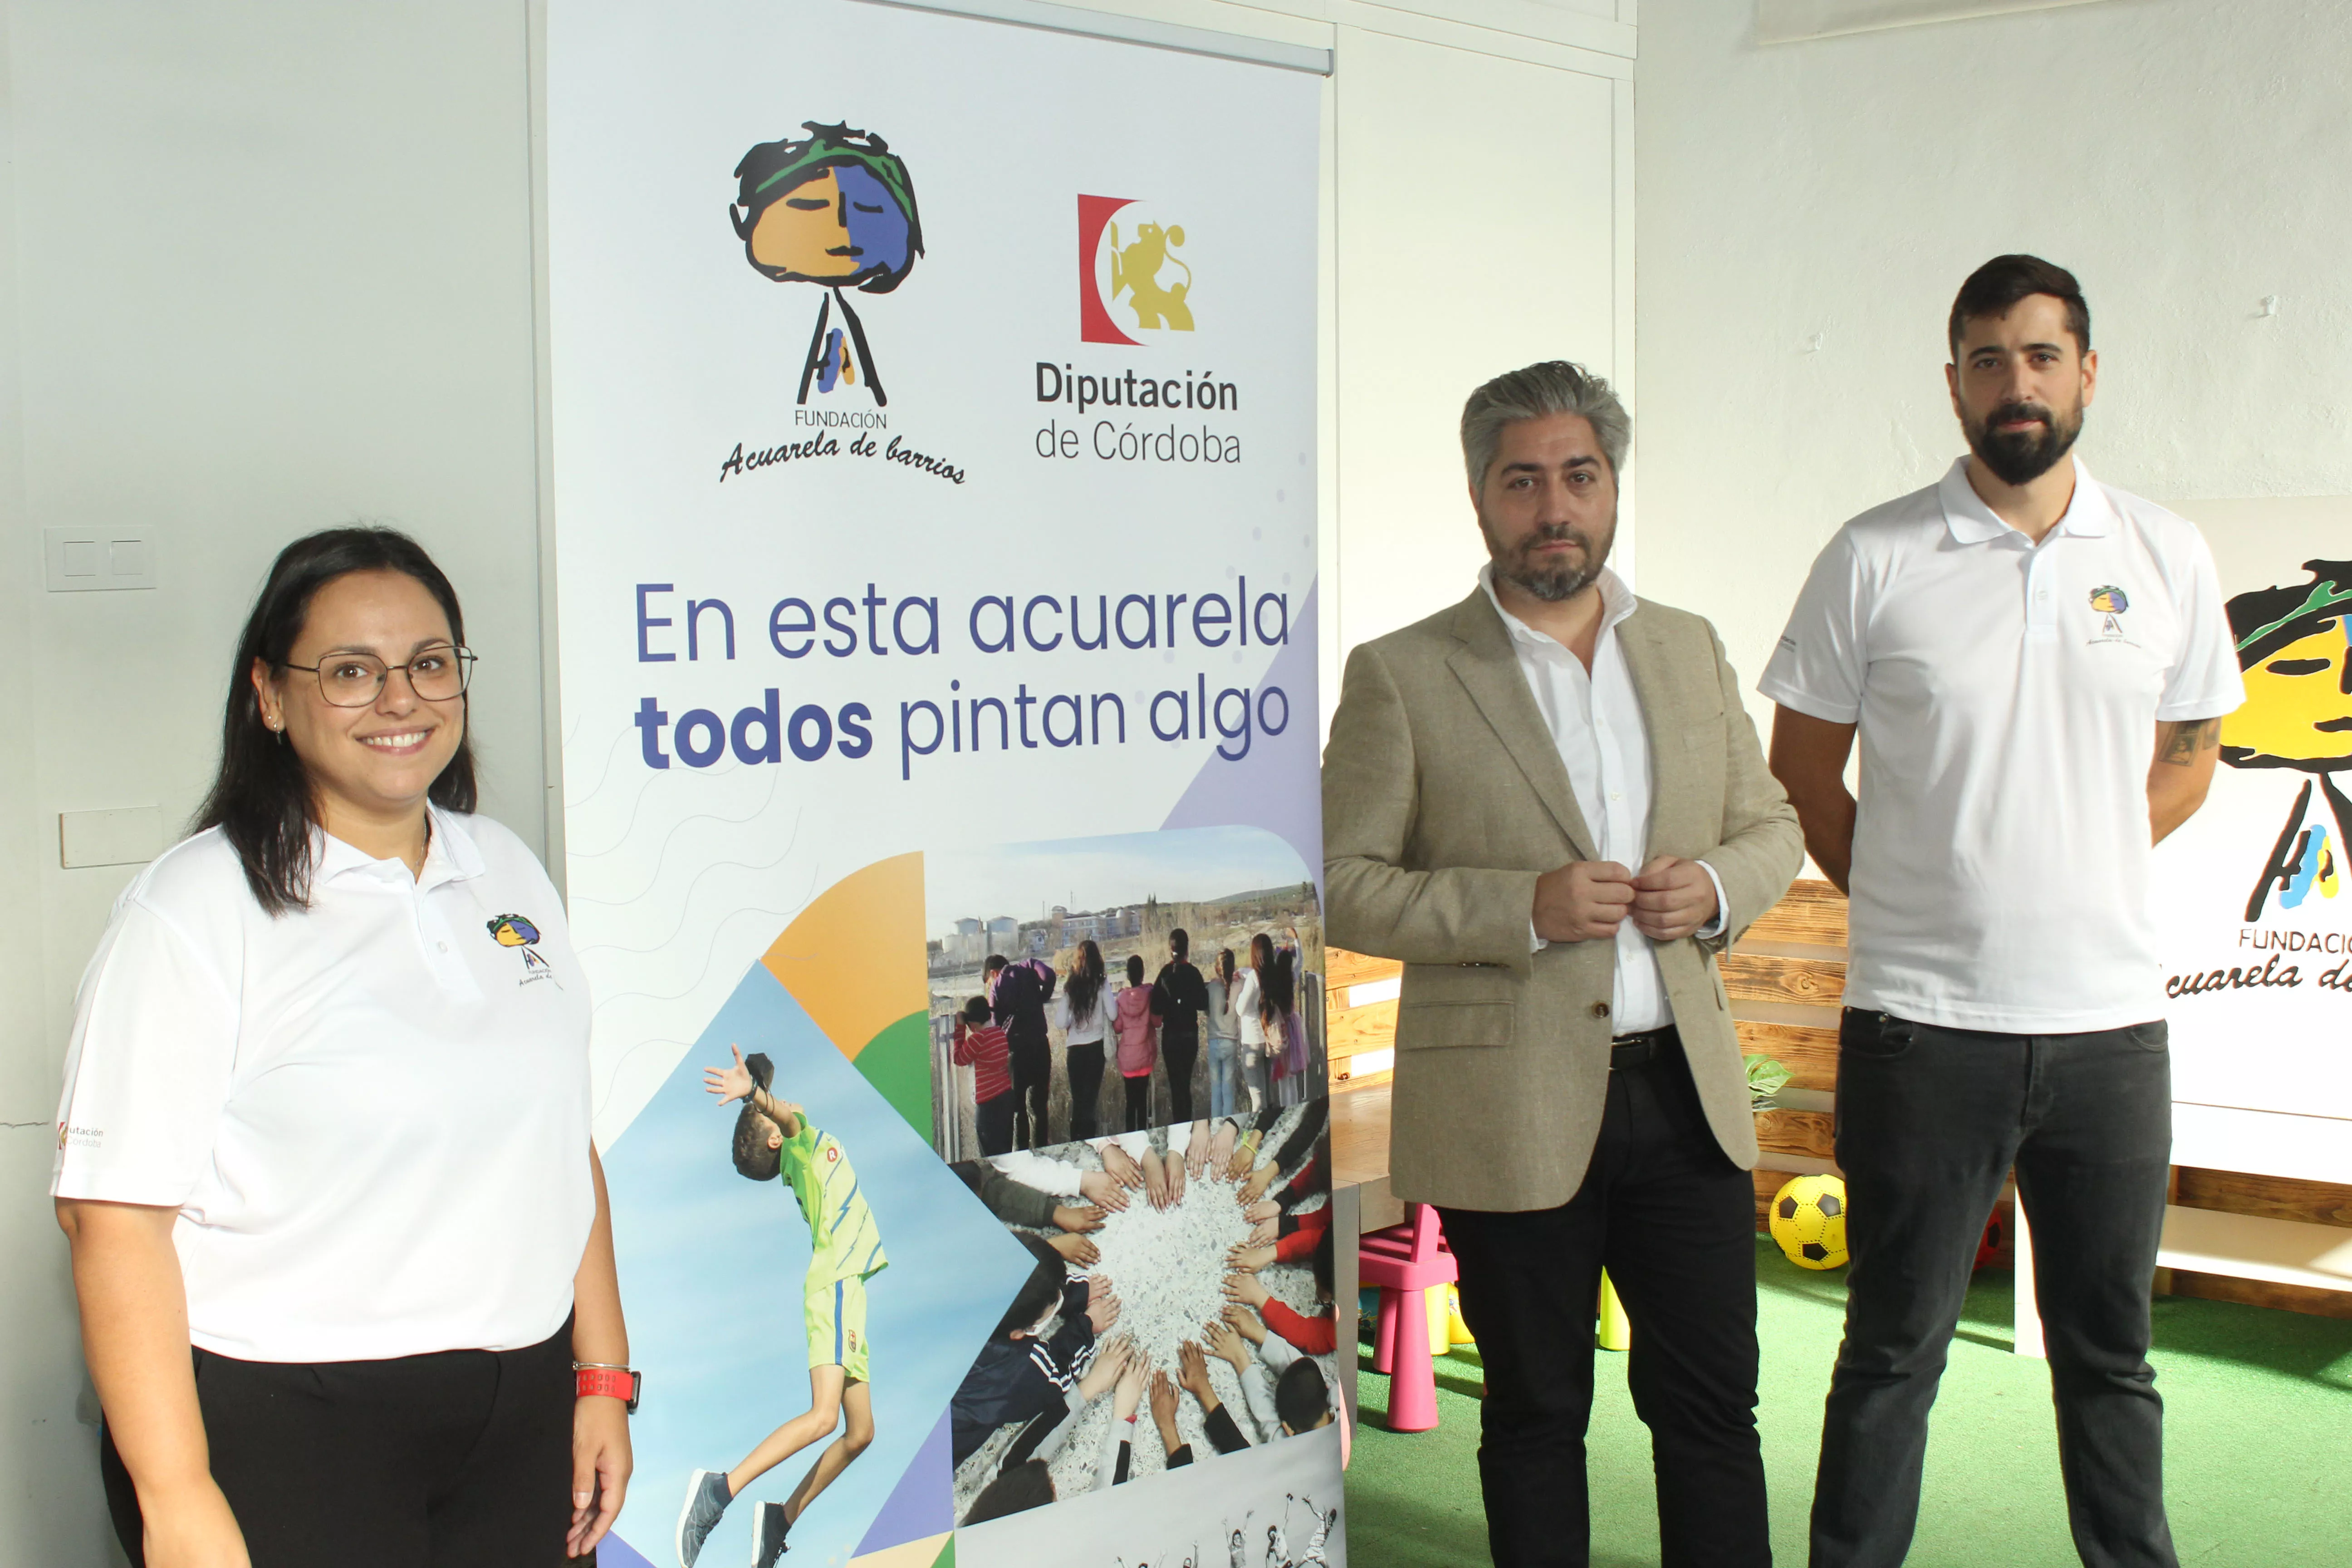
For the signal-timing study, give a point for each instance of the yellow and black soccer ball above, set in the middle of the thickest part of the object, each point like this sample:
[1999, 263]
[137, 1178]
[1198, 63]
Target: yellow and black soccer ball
[1809, 1221]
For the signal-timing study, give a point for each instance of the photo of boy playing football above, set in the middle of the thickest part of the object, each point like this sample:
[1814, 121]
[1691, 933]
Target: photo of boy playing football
[774, 1138]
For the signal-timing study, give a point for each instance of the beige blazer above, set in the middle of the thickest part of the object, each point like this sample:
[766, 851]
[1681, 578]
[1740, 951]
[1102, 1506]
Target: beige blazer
[1443, 799]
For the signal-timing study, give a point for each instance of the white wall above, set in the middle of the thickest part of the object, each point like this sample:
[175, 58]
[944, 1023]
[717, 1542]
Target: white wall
[2184, 157]
[266, 267]
[1478, 231]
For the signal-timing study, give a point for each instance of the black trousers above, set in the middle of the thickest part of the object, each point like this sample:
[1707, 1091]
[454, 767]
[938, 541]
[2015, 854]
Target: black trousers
[1139, 1103]
[993, 1120]
[458, 1460]
[1086, 1064]
[1673, 1221]
[1929, 1122]
[1180, 1052]
[1033, 1075]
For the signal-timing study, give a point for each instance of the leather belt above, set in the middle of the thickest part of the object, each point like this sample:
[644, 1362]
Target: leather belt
[1642, 1049]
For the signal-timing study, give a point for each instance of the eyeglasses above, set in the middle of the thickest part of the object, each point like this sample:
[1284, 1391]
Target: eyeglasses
[356, 680]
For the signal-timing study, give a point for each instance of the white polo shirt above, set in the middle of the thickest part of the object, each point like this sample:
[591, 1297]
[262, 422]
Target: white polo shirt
[2006, 698]
[373, 1115]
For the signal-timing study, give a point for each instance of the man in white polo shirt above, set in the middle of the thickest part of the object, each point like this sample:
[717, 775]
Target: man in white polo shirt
[2037, 665]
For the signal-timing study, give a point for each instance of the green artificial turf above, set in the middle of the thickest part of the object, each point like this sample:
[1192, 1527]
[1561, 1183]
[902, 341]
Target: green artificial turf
[2258, 1420]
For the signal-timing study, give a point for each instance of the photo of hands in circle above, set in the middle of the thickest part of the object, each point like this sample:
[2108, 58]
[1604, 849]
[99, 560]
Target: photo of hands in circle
[1180, 1309]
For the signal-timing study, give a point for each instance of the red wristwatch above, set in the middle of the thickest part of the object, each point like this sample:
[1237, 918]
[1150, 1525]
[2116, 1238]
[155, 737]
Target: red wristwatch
[621, 1383]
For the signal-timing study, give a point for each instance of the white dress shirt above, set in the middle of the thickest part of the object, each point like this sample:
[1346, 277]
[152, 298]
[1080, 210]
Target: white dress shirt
[1596, 722]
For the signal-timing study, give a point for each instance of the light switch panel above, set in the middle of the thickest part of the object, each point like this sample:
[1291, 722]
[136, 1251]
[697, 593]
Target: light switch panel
[132, 835]
[93, 560]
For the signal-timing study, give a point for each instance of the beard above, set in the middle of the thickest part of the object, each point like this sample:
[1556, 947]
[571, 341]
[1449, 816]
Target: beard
[1555, 581]
[2019, 457]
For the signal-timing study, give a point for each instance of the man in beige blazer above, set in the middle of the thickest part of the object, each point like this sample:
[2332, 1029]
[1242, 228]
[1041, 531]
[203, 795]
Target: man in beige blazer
[1548, 802]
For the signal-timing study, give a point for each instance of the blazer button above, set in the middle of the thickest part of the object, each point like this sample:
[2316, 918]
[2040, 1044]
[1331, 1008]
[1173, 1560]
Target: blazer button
[1600, 1009]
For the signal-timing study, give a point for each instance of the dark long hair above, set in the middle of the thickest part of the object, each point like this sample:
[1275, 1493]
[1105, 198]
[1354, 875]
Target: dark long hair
[1276, 981]
[1086, 982]
[1019, 1488]
[261, 799]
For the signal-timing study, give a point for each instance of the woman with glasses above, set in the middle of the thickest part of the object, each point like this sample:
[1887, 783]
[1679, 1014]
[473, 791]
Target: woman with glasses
[339, 1233]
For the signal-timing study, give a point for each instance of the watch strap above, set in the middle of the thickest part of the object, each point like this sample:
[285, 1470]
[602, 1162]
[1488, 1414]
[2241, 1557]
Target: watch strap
[611, 1382]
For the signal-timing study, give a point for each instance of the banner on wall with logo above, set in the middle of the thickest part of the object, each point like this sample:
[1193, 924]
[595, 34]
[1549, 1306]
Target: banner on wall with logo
[934, 460]
[2253, 895]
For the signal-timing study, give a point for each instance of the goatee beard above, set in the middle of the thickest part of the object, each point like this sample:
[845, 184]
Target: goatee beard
[1554, 584]
[2025, 456]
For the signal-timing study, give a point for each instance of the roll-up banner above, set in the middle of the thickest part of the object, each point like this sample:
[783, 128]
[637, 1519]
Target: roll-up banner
[934, 467]
[2252, 892]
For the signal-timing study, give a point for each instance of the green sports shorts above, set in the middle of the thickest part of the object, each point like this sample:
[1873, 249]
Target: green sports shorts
[835, 1311]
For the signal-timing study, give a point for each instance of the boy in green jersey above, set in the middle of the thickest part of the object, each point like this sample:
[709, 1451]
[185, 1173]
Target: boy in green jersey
[774, 1137]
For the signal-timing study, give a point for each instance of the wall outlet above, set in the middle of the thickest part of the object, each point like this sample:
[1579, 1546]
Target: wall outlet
[132, 835]
[93, 560]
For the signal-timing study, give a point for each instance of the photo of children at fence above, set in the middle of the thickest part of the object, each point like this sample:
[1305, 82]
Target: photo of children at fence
[1227, 923]
[775, 1139]
[1259, 1021]
[1182, 1275]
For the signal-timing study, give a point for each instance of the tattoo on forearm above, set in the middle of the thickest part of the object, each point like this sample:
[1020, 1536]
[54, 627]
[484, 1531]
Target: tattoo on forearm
[2184, 738]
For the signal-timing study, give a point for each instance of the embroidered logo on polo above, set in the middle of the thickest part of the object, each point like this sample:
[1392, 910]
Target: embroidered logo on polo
[515, 931]
[2109, 603]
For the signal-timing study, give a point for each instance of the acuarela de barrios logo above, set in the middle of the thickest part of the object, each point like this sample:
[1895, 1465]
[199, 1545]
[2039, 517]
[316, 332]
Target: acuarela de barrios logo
[2295, 654]
[2295, 651]
[835, 208]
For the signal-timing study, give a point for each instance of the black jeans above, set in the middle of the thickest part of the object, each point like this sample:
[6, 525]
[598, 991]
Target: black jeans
[1086, 1064]
[1180, 1052]
[458, 1460]
[1139, 1103]
[1033, 1075]
[1673, 1221]
[994, 1122]
[1929, 1121]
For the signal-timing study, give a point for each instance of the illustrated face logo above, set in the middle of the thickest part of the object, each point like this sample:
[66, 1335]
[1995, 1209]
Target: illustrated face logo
[835, 208]
[2298, 665]
[2291, 649]
[1139, 271]
[2109, 603]
[515, 931]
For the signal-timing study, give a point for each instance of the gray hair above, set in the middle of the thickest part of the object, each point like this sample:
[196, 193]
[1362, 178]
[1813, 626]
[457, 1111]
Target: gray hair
[1554, 386]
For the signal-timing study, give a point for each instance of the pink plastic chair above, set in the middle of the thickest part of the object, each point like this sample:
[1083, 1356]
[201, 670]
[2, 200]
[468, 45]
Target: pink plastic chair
[1403, 1261]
